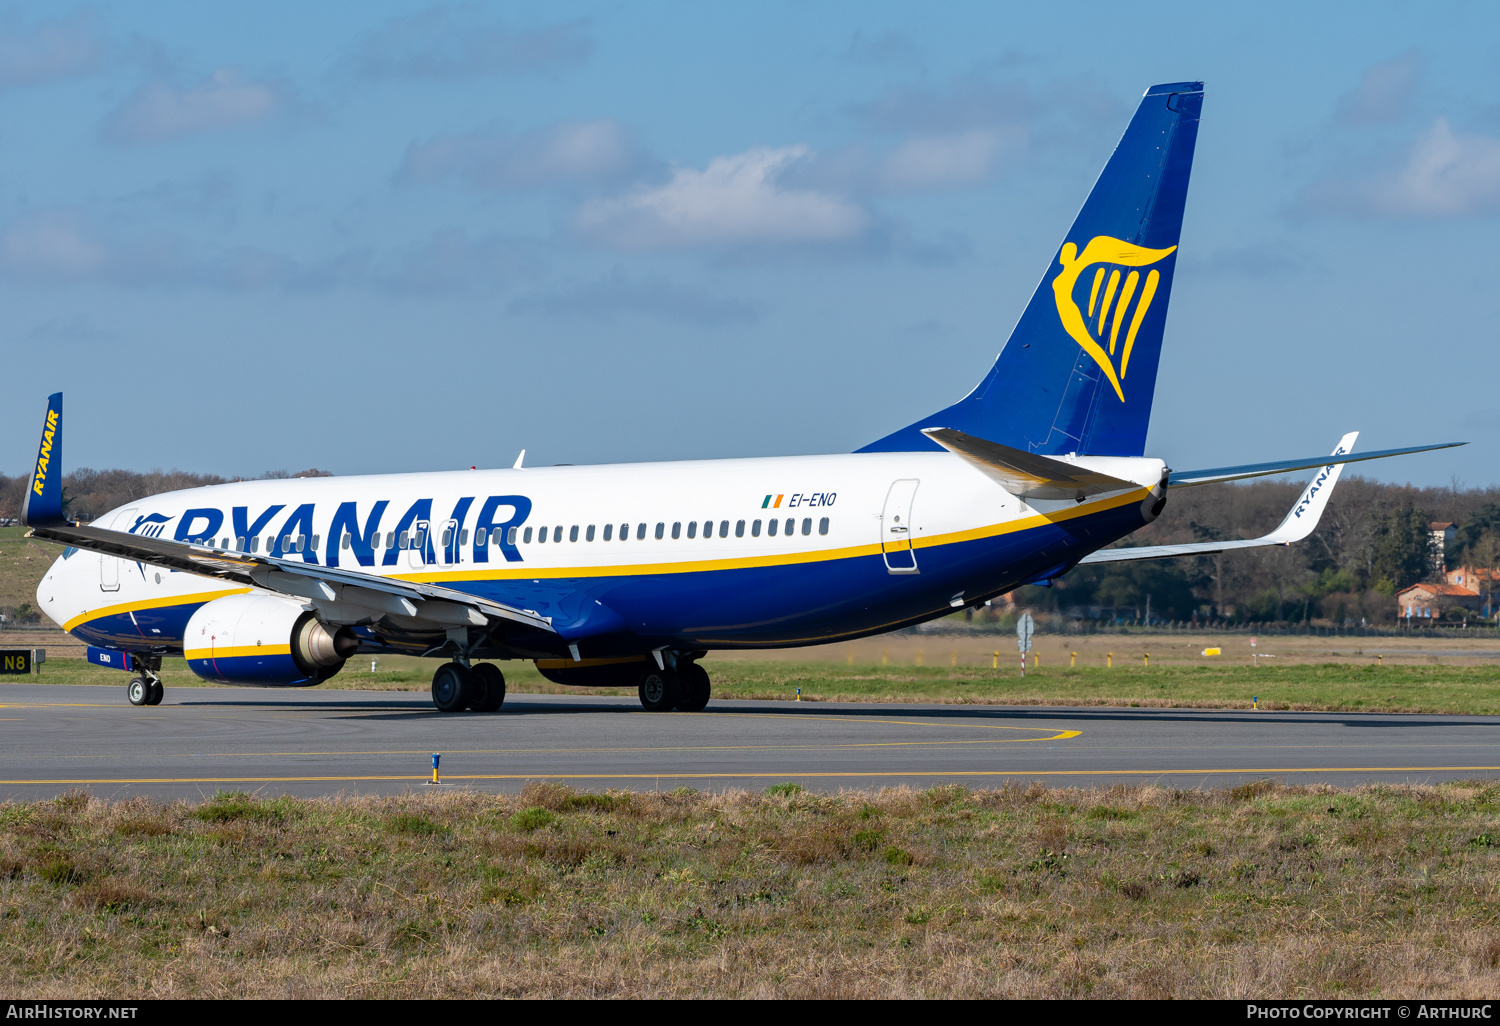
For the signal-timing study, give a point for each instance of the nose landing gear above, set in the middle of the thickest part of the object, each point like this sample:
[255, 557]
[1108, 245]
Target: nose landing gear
[146, 689]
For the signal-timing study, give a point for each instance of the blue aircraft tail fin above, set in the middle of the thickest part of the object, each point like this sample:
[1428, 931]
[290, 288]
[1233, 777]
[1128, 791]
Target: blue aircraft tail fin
[43, 506]
[1079, 370]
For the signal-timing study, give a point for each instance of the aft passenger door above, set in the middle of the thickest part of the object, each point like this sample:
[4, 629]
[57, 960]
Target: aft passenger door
[896, 528]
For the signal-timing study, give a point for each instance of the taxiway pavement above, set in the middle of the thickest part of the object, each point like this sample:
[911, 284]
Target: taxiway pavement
[200, 740]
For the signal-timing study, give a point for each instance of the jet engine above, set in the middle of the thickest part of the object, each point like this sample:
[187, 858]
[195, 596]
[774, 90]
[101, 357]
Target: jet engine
[266, 641]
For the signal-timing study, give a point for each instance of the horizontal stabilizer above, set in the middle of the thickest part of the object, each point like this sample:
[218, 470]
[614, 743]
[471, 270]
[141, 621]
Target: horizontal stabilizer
[1184, 478]
[1298, 524]
[1027, 474]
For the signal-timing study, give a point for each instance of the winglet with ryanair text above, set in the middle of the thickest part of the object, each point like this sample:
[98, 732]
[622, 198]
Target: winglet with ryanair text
[43, 505]
[1300, 522]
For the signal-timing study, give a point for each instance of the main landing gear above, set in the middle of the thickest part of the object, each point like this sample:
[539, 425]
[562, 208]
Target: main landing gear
[456, 687]
[685, 687]
[146, 689]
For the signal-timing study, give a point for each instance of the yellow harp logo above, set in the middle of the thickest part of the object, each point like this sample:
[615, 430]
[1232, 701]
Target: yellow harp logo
[1108, 302]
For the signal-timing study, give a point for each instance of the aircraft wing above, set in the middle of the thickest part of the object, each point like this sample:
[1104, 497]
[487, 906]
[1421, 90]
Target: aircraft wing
[347, 591]
[1298, 524]
[446, 607]
[1026, 474]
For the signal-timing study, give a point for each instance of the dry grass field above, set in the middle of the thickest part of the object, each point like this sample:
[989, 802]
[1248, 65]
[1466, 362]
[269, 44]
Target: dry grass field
[1022, 891]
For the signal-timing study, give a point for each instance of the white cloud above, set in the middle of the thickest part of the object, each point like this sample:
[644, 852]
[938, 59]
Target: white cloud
[494, 159]
[616, 293]
[51, 245]
[1444, 174]
[52, 49]
[1384, 93]
[158, 111]
[946, 161]
[451, 42]
[736, 200]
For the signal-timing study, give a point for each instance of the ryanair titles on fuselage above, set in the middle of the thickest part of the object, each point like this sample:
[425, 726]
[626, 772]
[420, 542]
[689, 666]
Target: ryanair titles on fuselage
[494, 527]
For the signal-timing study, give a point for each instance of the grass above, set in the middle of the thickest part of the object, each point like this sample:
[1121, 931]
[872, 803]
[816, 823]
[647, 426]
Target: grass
[1256, 891]
[22, 564]
[1345, 687]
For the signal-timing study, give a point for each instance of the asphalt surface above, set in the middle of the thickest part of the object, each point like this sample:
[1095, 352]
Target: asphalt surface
[201, 740]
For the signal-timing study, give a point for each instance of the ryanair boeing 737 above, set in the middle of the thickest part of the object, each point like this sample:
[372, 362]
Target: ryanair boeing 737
[629, 574]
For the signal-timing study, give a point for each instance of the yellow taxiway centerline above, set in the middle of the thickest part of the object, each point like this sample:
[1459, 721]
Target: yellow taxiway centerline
[783, 774]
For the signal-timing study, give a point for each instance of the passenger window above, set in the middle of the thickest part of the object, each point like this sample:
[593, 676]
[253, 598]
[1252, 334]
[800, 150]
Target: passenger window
[345, 541]
[239, 543]
[482, 538]
[541, 536]
[739, 528]
[791, 525]
[557, 533]
[823, 526]
[676, 530]
[528, 536]
[463, 536]
[315, 539]
[807, 525]
[640, 533]
[609, 532]
[755, 529]
[723, 529]
[693, 530]
[511, 535]
[661, 529]
[402, 541]
[573, 533]
[771, 527]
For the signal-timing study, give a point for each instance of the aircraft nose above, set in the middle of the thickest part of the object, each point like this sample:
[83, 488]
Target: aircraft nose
[57, 594]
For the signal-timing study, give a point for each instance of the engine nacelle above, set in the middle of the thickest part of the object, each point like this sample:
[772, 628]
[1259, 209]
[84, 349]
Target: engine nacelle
[264, 640]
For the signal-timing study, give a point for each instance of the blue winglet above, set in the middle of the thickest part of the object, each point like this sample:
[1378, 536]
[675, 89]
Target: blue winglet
[43, 506]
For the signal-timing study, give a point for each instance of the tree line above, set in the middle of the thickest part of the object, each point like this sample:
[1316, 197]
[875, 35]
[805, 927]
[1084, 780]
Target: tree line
[89, 494]
[1374, 540]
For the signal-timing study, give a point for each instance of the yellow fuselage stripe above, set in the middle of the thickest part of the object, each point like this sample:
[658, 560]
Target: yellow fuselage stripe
[156, 603]
[498, 573]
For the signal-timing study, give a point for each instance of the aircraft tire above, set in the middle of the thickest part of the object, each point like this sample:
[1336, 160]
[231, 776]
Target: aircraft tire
[158, 692]
[138, 691]
[695, 688]
[659, 690]
[451, 686]
[489, 687]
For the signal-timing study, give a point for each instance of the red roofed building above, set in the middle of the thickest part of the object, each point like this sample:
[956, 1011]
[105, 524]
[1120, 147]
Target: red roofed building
[1429, 601]
[1479, 579]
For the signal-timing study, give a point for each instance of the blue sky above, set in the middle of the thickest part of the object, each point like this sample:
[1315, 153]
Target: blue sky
[395, 236]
